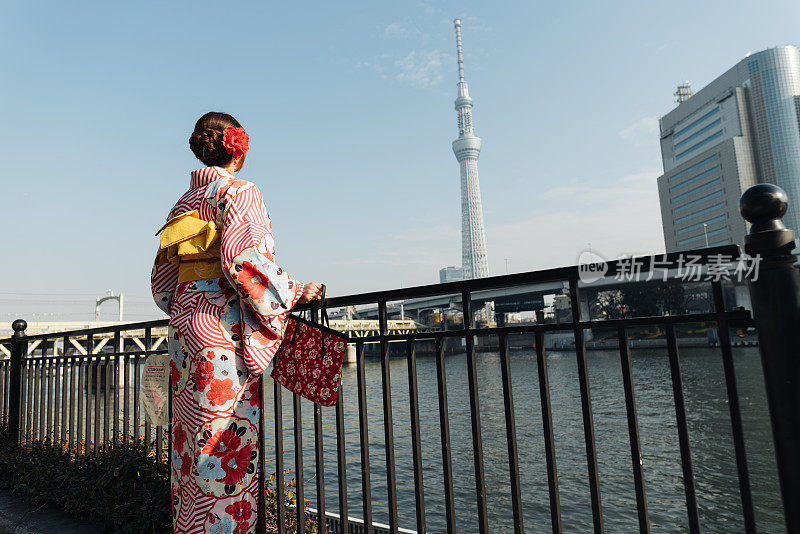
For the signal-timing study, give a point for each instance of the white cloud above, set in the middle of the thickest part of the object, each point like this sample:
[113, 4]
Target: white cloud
[403, 28]
[376, 68]
[642, 133]
[422, 68]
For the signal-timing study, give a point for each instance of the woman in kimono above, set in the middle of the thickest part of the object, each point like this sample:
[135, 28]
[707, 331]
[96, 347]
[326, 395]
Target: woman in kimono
[216, 277]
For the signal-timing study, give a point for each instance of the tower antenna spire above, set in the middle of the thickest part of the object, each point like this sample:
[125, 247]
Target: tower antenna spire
[457, 23]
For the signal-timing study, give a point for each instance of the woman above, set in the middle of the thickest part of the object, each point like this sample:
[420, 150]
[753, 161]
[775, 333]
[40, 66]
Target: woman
[216, 277]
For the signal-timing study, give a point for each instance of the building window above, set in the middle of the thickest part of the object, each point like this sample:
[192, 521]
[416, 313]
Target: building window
[698, 145]
[703, 187]
[715, 194]
[703, 211]
[695, 178]
[698, 133]
[693, 167]
[700, 225]
[702, 236]
[695, 123]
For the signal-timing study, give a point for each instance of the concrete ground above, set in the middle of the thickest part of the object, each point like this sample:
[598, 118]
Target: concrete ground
[18, 515]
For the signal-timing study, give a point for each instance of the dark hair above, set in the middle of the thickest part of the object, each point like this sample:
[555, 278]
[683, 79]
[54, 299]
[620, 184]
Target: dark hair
[206, 139]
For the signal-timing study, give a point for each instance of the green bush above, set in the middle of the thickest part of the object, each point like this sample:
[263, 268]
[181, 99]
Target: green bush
[123, 487]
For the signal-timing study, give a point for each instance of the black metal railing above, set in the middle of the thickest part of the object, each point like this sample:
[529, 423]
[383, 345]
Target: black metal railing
[87, 394]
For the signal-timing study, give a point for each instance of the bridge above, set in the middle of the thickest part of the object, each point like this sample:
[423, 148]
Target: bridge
[137, 338]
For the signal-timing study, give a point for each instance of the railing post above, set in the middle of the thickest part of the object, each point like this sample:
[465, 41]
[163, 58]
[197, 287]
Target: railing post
[776, 305]
[19, 348]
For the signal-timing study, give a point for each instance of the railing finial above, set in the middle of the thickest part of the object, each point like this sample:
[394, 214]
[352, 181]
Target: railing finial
[764, 206]
[19, 326]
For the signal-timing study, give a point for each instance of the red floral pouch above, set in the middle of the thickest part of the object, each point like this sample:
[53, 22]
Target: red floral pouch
[309, 361]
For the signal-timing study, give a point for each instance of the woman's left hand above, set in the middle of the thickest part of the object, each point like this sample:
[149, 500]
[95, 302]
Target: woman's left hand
[311, 291]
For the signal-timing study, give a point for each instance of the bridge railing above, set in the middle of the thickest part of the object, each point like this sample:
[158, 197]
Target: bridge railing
[80, 401]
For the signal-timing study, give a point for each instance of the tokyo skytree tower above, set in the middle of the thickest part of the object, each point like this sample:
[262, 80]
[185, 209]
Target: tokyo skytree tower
[467, 148]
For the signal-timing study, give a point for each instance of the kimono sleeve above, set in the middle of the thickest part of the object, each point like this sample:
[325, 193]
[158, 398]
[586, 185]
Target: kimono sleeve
[163, 280]
[247, 252]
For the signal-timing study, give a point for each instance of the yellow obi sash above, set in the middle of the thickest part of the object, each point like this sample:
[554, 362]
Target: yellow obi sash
[193, 245]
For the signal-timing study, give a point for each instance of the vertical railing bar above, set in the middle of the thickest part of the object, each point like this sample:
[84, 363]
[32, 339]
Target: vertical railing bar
[549, 440]
[444, 427]
[586, 409]
[511, 435]
[363, 432]
[46, 392]
[88, 428]
[89, 377]
[475, 414]
[43, 393]
[33, 394]
[73, 381]
[7, 389]
[300, 515]
[136, 409]
[745, 493]
[80, 444]
[98, 365]
[31, 408]
[65, 390]
[319, 457]
[126, 400]
[388, 425]
[341, 463]
[42, 401]
[9, 379]
[683, 431]
[51, 386]
[633, 431]
[148, 440]
[50, 392]
[3, 389]
[115, 382]
[55, 392]
[279, 490]
[58, 364]
[416, 441]
[35, 398]
[90, 412]
[107, 365]
[24, 412]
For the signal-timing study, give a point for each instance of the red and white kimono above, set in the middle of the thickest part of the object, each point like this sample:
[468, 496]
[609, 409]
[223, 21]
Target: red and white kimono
[223, 335]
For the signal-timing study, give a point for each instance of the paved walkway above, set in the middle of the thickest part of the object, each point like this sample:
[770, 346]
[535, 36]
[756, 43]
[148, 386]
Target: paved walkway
[19, 516]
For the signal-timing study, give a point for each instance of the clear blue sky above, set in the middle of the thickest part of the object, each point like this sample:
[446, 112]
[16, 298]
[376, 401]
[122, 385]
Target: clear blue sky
[349, 107]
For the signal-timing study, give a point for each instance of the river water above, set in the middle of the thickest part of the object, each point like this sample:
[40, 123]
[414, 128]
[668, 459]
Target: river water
[708, 421]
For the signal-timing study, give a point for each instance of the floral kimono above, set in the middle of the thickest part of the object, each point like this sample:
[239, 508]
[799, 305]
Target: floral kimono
[224, 332]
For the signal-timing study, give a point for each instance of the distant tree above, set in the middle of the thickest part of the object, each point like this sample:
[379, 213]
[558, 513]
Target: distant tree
[609, 304]
[656, 298]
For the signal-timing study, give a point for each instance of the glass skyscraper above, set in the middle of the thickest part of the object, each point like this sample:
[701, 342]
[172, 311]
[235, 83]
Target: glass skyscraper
[741, 129]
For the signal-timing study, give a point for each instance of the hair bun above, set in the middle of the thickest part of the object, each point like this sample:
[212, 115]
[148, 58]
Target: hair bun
[207, 145]
[206, 139]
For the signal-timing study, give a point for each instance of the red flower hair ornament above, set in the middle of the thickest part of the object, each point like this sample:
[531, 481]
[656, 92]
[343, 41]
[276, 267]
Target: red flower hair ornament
[236, 141]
